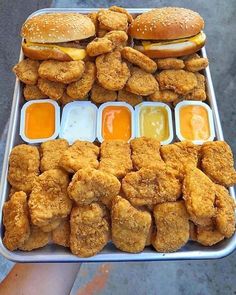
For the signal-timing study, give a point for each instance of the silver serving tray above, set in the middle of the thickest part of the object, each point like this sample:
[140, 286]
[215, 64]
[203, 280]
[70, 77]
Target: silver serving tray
[54, 253]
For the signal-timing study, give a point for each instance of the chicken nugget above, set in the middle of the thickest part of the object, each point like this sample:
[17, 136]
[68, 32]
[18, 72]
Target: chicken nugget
[166, 96]
[27, 71]
[51, 152]
[217, 162]
[49, 200]
[82, 154]
[131, 98]
[61, 71]
[130, 226]
[94, 18]
[169, 63]
[199, 196]
[53, 90]
[115, 157]
[79, 89]
[24, 164]
[112, 73]
[118, 38]
[145, 152]
[139, 59]
[225, 215]
[37, 239]
[199, 92]
[122, 10]
[99, 46]
[141, 82]
[90, 230]
[32, 92]
[61, 235]
[65, 99]
[150, 186]
[101, 32]
[172, 226]
[208, 235]
[16, 221]
[101, 95]
[51, 225]
[195, 63]
[180, 81]
[112, 20]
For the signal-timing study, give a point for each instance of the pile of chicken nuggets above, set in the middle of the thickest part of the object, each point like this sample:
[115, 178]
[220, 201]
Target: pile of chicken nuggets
[135, 194]
[113, 70]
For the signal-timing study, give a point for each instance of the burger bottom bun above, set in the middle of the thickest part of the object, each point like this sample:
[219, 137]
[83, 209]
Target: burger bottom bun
[170, 50]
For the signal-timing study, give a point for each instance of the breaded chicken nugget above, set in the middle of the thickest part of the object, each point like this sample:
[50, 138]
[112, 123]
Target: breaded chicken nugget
[118, 38]
[24, 164]
[82, 154]
[112, 20]
[51, 152]
[27, 71]
[195, 63]
[53, 90]
[122, 10]
[51, 225]
[61, 71]
[169, 63]
[80, 88]
[130, 226]
[166, 96]
[49, 200]
[115, 157]
[90, 230]
[139, 59]
[90, 185]
[199, 92]
[65, 99]
[112, 73]
[225, 215]
[131, 98]
[150, 186]
[199, 196]
[182, 82]
[217, 162]
[94, 18]
[101, 32]
[141, 82]
[16, 221]
[61, 235]
[31, 92]
[145, 152]
[172, 226]
[99, 46]
[208, 235]
[101, 95]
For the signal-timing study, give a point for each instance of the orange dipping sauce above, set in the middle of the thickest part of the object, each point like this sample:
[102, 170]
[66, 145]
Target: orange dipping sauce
[194, 122]
[39, 120]
[116, 123]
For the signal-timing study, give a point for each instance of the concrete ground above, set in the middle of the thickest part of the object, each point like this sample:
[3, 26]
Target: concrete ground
[183, 277]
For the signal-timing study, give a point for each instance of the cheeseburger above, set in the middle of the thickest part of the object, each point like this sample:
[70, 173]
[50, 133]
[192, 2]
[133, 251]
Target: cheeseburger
[60, 36]
[168, 32]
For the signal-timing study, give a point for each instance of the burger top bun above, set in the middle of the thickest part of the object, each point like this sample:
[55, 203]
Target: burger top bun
[166, 23]
[57, 28]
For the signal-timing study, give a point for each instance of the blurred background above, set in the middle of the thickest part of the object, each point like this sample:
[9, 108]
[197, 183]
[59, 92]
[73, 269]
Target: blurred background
[183, 277]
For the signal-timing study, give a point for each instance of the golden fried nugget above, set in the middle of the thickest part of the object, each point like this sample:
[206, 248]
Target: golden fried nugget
[61, 71]
[150, 186]
[130, 226]
[49, 200]
[131, 98]
[16, 221]
[118, 38]
[31, 92]
[145, 152]
[199, 92]
[199, 196]
[217, 162]
[61, 235]
[169, 63]
[195, 63]
[209, 235]
[101, 95]
[24, 164]
[112, 73]
[37, 239]
[51, 225]
[99, 46]
[53, 90]
[65, 99]
[225, 215]
[101, 32]
[82, 154]
[51, 152]
[172, 226]
[90, 185]
[94, 18]
[122, 10]
[139, 59]
[180, 81]
[141, 82]
[79, 89]
[11, 192]
[115, 157]
[27, 71]
[90, 230]
[112, 20]
[166, 96]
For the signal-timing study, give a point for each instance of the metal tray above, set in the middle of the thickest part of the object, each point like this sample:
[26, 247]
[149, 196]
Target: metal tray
[54, 253]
